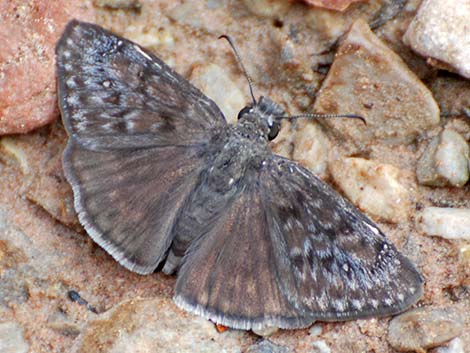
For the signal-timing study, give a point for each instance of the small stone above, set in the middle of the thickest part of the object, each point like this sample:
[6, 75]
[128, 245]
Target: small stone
[454, 346]
[440, 32]
[212, 80]
[266, 346]
[311, 147]
[265, 332]
[423, 328]
[118, 4]
[445, 162]
[153, 325]
[320, 347]
[369, 79]
[268, 8]
[449, 223]
[316, 330]
[376, 188]
[11, 338]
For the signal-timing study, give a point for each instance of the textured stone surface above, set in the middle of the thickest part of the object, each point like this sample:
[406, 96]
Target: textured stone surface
[440, 33]
[11, 338]
[217, 85]
[368, 79]
[376, 188]
[28, 32]
[445, 161]
[311, 147]
[266, 346]
[449, 223]
[153, 325]
[424, 328]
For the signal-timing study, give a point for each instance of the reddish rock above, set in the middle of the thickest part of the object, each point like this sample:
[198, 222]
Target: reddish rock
[28, 33]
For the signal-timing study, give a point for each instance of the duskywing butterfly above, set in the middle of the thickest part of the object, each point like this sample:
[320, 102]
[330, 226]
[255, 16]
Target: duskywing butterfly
[160, 179]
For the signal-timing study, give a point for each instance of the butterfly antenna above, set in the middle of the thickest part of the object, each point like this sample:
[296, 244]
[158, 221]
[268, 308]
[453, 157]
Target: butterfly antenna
[239, 60]
[316, 116]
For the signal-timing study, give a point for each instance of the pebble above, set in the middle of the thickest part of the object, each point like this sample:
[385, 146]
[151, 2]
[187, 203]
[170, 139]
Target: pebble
[337, 5]
[311, 147]
[265, 332]
[11, 338]
[454, 346]
[369, 79]
[376, 188]
[320, 347]
[214, 82]
[423, 328]
[445, 162]
[273, 9]
[439, 32]
[266, 346]
[449, 223]
[153, 325]
[316, 330]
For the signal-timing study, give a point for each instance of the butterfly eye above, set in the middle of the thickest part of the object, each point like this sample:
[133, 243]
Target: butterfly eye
[244, 111]
[274, 130]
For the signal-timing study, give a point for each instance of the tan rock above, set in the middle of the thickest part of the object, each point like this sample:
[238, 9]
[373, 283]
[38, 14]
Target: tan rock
[378, 189]
[217, 85]
[153, 325]
[369, 79]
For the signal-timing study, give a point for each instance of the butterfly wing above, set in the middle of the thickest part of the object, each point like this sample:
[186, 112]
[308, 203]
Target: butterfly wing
[113, 94]
[228, 275]
[333, 262]
[138, 133]
[290, 250]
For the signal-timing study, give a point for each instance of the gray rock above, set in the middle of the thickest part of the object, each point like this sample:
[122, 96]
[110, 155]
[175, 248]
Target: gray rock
[454, 346]
[445, 162]
[320, 347]
[423, 328]
[440, 32]
[369, 79]
[265, 332]
[379, 189]
[153, 325]
[11, 338]
[266, 346]
[449, 223]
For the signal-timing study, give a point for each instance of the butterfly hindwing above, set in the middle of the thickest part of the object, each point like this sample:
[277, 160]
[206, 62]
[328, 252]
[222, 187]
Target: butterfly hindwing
[333, 262]
[290, 250]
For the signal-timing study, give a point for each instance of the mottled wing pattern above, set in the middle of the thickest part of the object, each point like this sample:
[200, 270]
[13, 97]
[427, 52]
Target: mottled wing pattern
[332, 261]
[114, 94]
[289, 250]
[228, 274]
[138, 136]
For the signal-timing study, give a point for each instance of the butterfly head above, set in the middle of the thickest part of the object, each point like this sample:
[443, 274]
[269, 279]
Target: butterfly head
[268, 112]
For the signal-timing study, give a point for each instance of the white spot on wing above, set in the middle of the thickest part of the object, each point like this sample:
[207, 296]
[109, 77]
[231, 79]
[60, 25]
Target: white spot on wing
[141, 52]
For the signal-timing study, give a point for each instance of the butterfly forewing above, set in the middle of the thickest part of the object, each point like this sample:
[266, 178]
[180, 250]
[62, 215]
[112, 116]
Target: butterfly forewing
[138, 135]
[114, 94]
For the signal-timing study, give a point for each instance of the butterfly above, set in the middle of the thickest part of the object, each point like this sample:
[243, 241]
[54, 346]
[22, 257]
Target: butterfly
[160, 180]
